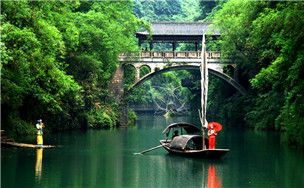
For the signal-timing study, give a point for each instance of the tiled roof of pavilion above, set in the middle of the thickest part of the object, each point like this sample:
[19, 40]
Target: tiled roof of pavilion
[180, 28]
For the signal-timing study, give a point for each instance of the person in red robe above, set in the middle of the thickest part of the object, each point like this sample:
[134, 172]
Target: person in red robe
[211, 134]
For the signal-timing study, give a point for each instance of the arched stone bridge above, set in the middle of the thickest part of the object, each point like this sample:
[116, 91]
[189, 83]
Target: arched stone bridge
[160, 62]
[170, 33]
[159, 65]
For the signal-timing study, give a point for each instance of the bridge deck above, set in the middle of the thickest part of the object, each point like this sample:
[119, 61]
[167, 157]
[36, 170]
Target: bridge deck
[171, 54]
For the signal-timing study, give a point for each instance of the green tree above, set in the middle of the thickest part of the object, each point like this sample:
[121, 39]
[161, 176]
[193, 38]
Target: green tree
[33, 81]
[166, 10]
[266, 41]
[207, 8]
[57, 58]
[105, 30]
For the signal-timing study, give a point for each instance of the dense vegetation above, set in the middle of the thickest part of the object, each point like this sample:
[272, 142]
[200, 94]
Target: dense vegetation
[57, 59]
[265, 39]
[167, 10]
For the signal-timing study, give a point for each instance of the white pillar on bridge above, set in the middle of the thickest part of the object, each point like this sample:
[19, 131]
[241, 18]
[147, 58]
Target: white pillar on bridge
[137, 74]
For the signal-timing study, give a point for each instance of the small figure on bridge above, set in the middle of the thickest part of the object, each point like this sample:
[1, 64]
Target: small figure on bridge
[39, 127]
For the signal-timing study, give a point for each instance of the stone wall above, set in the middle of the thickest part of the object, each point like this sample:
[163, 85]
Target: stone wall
[116, 88]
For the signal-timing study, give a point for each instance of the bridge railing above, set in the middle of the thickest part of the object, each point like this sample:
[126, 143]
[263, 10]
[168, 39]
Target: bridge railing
[171, 54]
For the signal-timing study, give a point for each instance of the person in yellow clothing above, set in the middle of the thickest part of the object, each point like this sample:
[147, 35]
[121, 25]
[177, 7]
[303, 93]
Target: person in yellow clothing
[39, 127]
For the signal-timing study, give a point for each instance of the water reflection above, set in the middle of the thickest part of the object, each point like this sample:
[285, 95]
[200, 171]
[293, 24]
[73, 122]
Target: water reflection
[193, 172]
[214, 180]
[38, 167]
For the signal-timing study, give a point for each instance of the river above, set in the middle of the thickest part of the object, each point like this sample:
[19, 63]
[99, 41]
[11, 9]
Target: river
[107, 158]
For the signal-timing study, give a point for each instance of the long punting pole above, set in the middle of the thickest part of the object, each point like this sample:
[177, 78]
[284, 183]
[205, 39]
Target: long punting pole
[150, 149]
[204, 89]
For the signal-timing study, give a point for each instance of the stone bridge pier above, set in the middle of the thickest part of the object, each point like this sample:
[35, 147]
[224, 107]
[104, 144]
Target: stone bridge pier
[116, 90]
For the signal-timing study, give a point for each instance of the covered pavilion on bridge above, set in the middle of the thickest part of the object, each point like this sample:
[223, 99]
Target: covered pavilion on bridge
[175, 32]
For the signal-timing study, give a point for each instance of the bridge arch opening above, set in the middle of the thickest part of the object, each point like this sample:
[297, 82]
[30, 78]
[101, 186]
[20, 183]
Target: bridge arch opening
[218, 74]
[229, 70]
[144, 70]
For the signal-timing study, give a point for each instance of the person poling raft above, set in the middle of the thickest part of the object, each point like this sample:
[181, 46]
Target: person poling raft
[39, 127]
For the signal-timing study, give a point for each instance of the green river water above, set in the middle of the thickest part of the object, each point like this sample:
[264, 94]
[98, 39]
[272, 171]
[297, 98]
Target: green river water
[107, 158]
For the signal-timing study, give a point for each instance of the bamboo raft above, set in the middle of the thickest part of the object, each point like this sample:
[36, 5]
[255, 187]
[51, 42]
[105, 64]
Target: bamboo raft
[7, 141]
[23, 145]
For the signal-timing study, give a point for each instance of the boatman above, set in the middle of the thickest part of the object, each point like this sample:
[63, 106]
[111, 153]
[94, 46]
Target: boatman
[175, 134]
[39, 127]
[211, 134]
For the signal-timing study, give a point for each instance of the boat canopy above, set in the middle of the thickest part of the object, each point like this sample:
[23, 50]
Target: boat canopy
[183, 142]
[189, 128]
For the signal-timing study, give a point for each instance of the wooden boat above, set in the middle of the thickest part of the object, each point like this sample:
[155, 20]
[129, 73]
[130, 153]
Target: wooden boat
[189, 145]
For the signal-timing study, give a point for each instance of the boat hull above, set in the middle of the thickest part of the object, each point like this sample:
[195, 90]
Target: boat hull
[207, 153]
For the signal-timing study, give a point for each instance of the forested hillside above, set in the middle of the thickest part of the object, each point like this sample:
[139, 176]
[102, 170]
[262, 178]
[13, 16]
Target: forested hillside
[57, 59]
[265, 40]
[167, 10]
